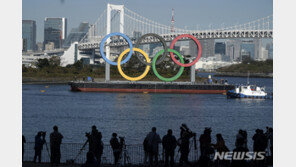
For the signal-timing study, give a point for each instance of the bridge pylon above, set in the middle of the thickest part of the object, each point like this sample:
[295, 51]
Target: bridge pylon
[118, 8]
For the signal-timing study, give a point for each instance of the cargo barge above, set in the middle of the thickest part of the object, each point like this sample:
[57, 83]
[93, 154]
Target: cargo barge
[150, 87]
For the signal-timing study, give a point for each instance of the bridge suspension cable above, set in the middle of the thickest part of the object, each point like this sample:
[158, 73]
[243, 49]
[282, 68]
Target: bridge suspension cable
[137, 25]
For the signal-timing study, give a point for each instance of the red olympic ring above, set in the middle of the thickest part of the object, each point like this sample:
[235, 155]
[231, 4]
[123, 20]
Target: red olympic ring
[197, 43]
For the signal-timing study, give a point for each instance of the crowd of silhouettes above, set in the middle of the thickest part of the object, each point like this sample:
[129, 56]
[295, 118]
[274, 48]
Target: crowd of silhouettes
[261, 143]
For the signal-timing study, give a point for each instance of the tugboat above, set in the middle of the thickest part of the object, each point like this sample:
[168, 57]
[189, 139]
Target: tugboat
[248, 91]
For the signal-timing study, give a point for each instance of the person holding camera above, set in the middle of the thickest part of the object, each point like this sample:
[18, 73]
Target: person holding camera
[184, 142]
[55, 146]
[116, 147]
[169, 144]
[95, 143]
[39, 141]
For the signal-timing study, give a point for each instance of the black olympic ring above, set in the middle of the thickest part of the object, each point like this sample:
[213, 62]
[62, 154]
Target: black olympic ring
[161, 59]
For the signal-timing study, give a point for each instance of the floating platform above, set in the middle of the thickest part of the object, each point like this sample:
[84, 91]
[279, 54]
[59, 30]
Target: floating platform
[150, 87]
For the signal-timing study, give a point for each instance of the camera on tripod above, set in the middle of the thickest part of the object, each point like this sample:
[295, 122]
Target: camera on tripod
[43, 133]
[187, 131]
[87, 134]
[122, 140]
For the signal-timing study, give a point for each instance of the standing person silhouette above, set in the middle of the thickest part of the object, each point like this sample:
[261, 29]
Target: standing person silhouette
[153, 142]
[39, 141]
[23, 147]
[55, 146]
[146, 150]
[95, 143]
[169, 144]
[116, 147]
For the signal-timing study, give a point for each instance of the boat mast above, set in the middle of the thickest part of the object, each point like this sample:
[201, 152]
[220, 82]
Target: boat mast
[248, 78]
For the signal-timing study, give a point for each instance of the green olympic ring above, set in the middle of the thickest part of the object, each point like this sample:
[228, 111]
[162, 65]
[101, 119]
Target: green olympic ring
[161, 77]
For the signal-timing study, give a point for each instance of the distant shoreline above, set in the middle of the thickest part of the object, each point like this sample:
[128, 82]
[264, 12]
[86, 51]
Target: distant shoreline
[236, 74]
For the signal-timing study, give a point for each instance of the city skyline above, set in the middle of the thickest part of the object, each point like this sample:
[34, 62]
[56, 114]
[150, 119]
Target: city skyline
[216, 16]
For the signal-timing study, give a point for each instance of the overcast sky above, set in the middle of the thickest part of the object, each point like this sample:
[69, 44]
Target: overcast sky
[189, 13]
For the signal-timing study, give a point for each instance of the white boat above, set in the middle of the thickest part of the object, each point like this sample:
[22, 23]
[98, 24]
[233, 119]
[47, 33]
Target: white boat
[249, 91]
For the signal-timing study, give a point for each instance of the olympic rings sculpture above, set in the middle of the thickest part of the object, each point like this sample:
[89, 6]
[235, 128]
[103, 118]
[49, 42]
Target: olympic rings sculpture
[148, 62]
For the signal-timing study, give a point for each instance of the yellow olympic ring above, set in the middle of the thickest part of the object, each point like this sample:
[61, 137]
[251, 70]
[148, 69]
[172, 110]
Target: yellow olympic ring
[133, 78]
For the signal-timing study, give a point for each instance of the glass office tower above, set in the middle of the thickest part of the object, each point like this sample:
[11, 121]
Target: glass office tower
[29, 34]
[55, 30]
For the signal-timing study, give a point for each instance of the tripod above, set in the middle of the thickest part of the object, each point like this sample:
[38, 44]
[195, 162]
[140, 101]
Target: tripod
[47, 149]
[124, 154]
[71, 161]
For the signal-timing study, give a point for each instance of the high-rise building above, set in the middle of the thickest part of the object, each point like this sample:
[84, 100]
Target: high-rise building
[269, 47]
[193, 49]
[233, 50]
[92, 32]
[39, 46]
[245, 54]
[24, 45]
[29, 34]
[248, 46]
[76, 34]
[208, 47]
[258, 46]
[49, 46]
[220, 48]
[263, 54]
[55, 30]
[137, 34]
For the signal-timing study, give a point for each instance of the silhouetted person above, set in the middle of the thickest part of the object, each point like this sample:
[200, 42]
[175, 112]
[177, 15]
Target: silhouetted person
[269, 136]
[260, 141]
[184, 143]
[205, 141]
[260, 145]
[238, 151]
[205, 147]
[23, 146]
[95, 143]
[146, 150]
[169, 144]
[221, 147]
[116, 147]
[241, 139]
[153, 142]
[90, 161]
[55, 146]
[39, 141]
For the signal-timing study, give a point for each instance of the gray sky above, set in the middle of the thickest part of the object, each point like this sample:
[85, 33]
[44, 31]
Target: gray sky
[189, 13]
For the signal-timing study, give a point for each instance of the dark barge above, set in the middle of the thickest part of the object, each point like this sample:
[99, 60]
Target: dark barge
[150, 87]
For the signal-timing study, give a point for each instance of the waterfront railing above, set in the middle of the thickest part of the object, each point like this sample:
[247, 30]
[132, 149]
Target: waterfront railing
[70, 150]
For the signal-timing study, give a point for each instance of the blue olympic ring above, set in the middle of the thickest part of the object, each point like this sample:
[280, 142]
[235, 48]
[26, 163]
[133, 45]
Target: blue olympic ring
[115, 34]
